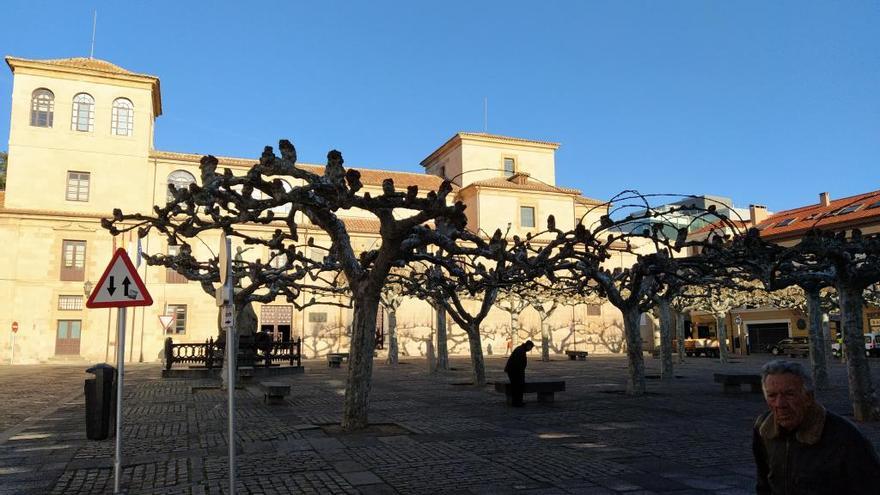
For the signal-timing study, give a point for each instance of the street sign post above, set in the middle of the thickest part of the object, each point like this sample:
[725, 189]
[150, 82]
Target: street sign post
[227, 307]
[119, 287]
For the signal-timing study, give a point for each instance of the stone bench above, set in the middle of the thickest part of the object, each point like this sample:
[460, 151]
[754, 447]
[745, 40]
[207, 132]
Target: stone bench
[335, 359]
[577, 355]
[732, 382]
[245, 373]
[274, 392]
[545, 389]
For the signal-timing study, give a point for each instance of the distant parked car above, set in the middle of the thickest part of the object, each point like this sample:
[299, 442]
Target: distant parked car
[792, 346]
[872, 345]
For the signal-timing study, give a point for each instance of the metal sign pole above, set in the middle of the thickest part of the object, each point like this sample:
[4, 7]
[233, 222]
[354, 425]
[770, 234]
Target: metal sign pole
[12, 357]
[231, 351]
[120, 366]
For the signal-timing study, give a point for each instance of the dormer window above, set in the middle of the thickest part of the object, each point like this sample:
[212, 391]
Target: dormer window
[122, 117]
[83, 115]
[509, 166]
[42, 108]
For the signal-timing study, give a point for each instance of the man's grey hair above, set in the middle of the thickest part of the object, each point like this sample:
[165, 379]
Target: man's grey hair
[781, 366]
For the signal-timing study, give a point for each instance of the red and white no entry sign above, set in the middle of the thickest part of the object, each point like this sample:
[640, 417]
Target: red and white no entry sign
[14, 326]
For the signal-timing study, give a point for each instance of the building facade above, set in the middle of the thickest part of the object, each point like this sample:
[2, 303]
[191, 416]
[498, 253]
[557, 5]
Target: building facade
[81, 144]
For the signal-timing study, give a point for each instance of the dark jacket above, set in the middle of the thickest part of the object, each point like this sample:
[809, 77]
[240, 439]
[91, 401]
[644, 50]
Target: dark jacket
[517, 361]
[826, 454]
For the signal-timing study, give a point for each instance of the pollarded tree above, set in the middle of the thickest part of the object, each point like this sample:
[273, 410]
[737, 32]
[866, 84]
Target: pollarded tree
[471, 271]
[228, 203]
[390, 298]
[851, 264]
[509, 301]
[578, 259]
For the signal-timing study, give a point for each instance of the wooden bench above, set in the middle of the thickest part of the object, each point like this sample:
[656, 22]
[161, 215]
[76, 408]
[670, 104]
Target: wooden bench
[733, 382]
[274, 392]
[545, 390]
[335, 359]
[577, 355]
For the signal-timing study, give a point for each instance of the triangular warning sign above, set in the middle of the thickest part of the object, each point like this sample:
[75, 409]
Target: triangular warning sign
[120, 285]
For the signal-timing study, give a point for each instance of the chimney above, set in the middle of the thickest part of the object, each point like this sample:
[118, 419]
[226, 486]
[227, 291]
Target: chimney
[519, 178]
[824, 199]
[757, 214]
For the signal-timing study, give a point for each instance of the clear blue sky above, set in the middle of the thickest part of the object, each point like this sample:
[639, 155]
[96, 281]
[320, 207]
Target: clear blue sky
[766, 102]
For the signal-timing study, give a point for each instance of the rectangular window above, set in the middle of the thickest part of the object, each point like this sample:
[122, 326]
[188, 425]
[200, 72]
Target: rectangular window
[787, 221]
[178, 326]
[70, 303]
[527, 217]
[171, 275]
[277, 259]
[509, 167]
[73, 261]
[594, 310]
[78, 186]
[317, 317]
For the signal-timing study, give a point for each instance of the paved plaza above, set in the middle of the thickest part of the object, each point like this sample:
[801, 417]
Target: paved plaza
[431, 434]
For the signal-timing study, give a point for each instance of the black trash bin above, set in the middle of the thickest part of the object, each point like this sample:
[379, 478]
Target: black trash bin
[100, 394]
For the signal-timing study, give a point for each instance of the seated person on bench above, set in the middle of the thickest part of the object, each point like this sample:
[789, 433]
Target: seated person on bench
[516, 371]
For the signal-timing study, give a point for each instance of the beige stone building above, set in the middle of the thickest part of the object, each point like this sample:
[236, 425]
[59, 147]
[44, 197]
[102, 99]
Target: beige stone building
[81, 144]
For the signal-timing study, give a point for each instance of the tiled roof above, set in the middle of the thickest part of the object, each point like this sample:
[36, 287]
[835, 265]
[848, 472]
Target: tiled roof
[529, 185]
[742, 224]
[82, 63]
[496, 137]
[370, 177]
[823, 217]
[583, 200]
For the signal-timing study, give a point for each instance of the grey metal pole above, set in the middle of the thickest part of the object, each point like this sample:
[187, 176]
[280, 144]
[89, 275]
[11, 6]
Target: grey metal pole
[231, 351]
[120, 367]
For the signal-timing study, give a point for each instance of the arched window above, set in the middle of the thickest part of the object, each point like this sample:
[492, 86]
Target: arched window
[180, 179]
[42, 108]
[122, 117]
[83, 115]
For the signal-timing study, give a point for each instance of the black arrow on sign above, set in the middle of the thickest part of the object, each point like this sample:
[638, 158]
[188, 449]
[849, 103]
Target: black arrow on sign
[125, 284]
[111, 289]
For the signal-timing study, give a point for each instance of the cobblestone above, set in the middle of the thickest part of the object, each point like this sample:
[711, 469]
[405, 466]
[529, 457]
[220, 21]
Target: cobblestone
[440, 437]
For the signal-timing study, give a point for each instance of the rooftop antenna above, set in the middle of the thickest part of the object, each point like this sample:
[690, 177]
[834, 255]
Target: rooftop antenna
[486, 114]
[94, 26]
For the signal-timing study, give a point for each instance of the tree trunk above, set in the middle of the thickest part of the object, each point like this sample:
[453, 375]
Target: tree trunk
[721, 324]
[636, 362]
[360, 362]
[861, 390]
[826, 333]
[818, 357]
[666, 370]
[545, 339]
[392, 336]
[679, 330]
[477, 355]
[514, 329]
[442, 347]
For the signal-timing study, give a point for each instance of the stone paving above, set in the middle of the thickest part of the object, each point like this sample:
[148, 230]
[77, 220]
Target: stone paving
[430, 434]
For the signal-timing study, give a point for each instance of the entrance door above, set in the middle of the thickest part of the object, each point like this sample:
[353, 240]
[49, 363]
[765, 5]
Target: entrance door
[67, 337]
[762, 335]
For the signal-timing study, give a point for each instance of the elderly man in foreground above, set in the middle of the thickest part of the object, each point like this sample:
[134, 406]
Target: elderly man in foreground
[802, 448]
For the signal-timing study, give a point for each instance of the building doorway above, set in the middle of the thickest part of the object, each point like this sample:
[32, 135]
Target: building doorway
[67, 337]
[277, 321]
[762, 335]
